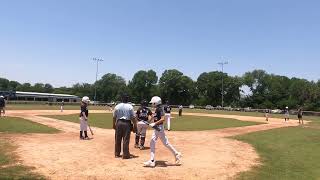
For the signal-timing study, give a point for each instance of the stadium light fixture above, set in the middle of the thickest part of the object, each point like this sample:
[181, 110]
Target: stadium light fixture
[222, 80]
[95, 86]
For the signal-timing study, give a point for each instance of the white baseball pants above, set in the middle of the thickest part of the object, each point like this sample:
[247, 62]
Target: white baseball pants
[160, 134]
[83, 124]
[142, 129]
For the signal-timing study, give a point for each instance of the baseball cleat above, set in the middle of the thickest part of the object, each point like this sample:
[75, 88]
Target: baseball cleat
[150, 164]
[142, 148]
[178, 158]
[136, 146]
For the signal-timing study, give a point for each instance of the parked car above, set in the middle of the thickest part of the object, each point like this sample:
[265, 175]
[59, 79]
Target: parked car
[248, 109]
[209, 107]
[228, 108]
[276, 111]
[191, 106]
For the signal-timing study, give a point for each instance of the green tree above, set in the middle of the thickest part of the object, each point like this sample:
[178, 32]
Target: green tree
[176, 87]
[13, 85]
[110, 87]
[83, 89]
[209, 86]
[4, 84]
[48, 88]
[143, 85]
[38, 87]
[25, 87]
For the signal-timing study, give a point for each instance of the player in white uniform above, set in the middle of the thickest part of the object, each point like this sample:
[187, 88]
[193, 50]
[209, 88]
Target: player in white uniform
[62, 106]
[160, 133]
[286, 114]
[2, 106]
[84, 118]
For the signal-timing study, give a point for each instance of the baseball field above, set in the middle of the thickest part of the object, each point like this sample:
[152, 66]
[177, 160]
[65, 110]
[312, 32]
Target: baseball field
[40, 142]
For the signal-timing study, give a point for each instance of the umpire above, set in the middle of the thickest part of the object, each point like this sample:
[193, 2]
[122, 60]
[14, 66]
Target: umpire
[122, 117]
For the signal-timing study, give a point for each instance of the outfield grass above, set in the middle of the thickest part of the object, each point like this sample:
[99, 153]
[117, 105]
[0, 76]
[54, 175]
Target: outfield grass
[9, 167]
[19, 125]
[97, 120]
[196, 123]
[286, 153]
[184, 123]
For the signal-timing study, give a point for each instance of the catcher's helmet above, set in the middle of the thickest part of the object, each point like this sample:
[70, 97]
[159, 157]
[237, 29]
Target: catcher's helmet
[144, 103]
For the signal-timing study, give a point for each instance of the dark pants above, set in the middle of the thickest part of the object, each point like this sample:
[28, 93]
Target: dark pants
[123, 131]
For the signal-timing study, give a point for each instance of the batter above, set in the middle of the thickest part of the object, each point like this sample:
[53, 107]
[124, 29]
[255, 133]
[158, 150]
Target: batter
[158, 118]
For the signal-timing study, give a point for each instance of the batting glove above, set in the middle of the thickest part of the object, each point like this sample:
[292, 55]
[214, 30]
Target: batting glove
[152, 125]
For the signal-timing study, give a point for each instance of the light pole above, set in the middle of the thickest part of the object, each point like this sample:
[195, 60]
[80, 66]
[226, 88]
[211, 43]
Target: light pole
[222, 86]
[95, 86]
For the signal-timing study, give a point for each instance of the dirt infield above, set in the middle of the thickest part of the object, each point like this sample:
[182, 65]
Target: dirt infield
[206, 154]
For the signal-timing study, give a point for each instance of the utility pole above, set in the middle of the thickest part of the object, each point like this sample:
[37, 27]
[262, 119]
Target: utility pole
[222, 86]
[95, 86]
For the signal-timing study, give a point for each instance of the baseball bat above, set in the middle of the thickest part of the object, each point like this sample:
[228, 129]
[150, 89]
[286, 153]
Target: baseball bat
[90, 130]
[155, 127]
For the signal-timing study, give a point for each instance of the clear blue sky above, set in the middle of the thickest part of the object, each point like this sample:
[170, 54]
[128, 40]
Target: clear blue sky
[53, 40]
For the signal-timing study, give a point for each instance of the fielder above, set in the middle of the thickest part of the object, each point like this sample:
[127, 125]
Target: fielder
[158, 117]
[84, 114]
[180, 110]
[62, 106]
[267, 114]
[286, 114]
[167, 110]
[2, 106]
[143, 115]
[300, 113]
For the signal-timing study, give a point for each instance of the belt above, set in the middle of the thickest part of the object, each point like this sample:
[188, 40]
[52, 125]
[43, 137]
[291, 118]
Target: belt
[124, 120]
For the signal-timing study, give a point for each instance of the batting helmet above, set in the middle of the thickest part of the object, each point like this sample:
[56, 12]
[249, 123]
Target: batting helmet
[156, 100]
[86, 99]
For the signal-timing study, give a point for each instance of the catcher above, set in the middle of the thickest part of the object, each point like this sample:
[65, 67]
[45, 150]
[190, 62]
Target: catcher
[143, 116]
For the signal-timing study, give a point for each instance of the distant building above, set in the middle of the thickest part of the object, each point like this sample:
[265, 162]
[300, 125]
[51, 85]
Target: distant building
[34, 96]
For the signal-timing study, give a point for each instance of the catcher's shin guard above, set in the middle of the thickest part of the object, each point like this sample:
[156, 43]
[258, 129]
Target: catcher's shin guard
[143, 140]
[137, 139]
[85, 134]
[81, 135]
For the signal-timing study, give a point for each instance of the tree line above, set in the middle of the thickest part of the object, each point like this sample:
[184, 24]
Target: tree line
[256, 89]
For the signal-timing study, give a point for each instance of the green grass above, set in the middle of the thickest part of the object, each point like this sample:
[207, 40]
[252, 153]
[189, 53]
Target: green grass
[76, 107]
[19, 125]
[9, 164]
[96, 120]
[184, 123]
[9, 167]
[196, 123]
[286, 153]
